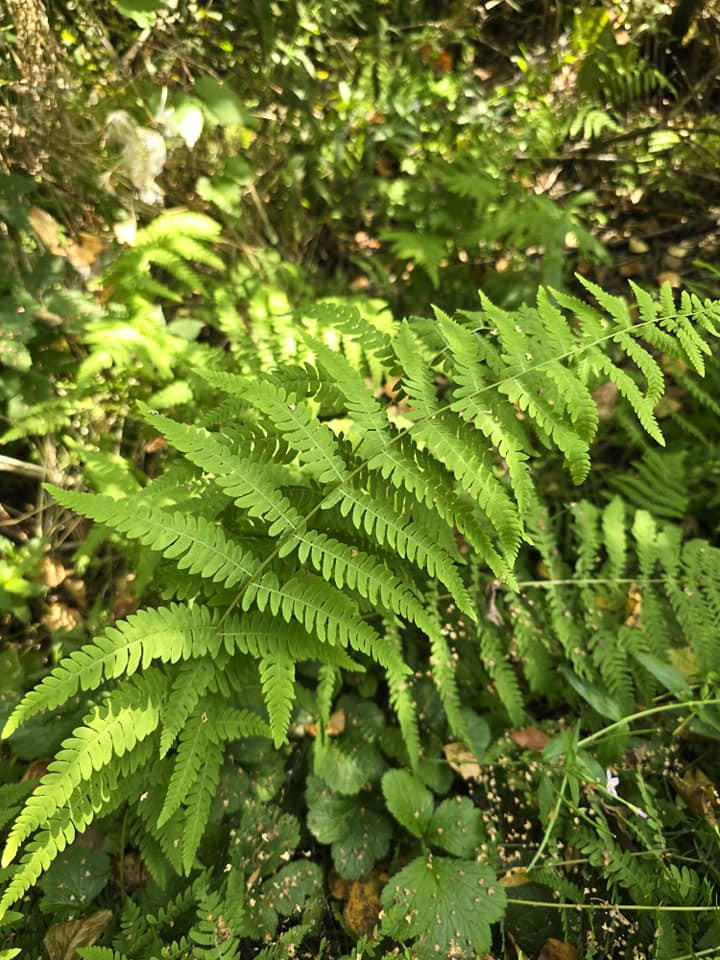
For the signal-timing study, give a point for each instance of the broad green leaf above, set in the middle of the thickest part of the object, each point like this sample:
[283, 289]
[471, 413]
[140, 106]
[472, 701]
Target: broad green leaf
[601, 702]
[408, 800]
[445, 905]
[347, 768]
[456, 826]
[223, 104]
[664, 673]
[74, 880]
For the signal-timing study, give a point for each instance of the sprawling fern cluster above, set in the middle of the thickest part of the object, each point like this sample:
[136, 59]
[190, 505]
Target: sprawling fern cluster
[314, 523]
[132, 328]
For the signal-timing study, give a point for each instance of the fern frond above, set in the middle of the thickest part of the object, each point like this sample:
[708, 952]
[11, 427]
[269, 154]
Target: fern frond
[111, 731]
[195, 544]
[194, 740]
[400, 689]
[198, 802]
[191, 681]
[376, 516]
[106, 793]
[502, 675]
[277, 676]
[248, 483]
[321, 609]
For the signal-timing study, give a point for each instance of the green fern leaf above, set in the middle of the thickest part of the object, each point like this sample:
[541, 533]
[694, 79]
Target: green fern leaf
[112, 731]
[277, 676]
[195, 544]
[198, 801]
[194, 740]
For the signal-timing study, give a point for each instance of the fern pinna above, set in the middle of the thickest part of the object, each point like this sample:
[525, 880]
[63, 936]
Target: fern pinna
[318, 522]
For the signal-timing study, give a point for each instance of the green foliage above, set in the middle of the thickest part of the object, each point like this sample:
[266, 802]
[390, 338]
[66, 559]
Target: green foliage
[74, 880]
[19, 572]
[300, 490]
[357, 829]
[364, 569]
[446, 906]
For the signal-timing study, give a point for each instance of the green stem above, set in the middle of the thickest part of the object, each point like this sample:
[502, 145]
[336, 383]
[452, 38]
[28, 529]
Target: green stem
[663, 708]
[551, 824]
[610, 906]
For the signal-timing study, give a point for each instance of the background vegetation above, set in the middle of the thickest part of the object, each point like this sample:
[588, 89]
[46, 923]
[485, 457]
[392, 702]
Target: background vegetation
[403, 602]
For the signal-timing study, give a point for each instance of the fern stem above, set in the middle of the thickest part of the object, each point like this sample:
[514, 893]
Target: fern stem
[588, 581]
[611, 906]
[663, 708]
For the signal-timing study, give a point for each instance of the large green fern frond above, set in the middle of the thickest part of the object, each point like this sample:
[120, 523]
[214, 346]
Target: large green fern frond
[322, 518]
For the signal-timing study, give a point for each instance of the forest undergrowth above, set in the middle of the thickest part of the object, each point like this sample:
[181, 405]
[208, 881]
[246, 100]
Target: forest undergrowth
[359, 561]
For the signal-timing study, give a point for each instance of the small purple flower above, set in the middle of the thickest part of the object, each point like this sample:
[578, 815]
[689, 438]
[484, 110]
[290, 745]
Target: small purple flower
[641, 813]
[612, 783]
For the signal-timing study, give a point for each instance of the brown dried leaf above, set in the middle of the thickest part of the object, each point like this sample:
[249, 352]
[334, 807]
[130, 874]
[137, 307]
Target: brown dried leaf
[338, 886]
[546, 180]
[48, 230]
[633, 606]
[83, 252]
[59, 616]
[36, 769]
[558, 950]
[53, 572]
[336, 723]
[62, 939]
[462, 760]
[530, 738]
[699, 793]
[605, 398]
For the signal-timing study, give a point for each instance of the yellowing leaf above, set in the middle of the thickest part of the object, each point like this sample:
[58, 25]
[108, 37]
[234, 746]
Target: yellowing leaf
[62, 939]
[362, 908]
[699, 793]
[515, 877]
[462, 760]
[685, 662]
